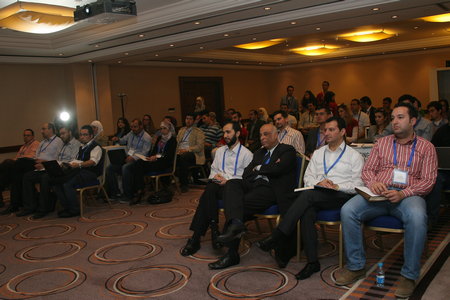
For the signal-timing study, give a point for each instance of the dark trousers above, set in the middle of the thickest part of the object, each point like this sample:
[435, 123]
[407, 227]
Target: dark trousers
[184, 161]
[67, 193]
[42, 204]
[207, 208]
[143, 167]
[304, 209]
[433, 199]
[6, 168]
[20, 167]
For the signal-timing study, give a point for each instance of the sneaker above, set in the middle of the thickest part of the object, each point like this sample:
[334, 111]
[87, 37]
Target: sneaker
[346, 277]
[405, 287]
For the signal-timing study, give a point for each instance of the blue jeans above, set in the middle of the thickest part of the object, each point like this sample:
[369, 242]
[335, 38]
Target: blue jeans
[127, 179]
[411, 211]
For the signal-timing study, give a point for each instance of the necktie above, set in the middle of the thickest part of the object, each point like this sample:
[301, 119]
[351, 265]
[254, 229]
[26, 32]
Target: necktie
[266, 158]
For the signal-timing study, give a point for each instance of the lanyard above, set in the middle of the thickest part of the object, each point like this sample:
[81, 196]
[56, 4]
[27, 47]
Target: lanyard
[61, 153]
[140, 137]
[325, 170]
[43, 150]
[235, 163]
[285, 132]
[319, 142]
[186, 135]
[413, 149]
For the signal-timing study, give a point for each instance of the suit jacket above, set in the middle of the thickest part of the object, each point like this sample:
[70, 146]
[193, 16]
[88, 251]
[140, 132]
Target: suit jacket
[196, 143]
[166, 161]
[371, 113]
[280, 171]
[311, 141]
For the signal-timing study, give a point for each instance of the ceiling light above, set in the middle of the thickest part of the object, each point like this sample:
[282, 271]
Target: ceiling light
[416, 27]
[260, 45]
[253, 39]
[375, 8]
[293, 23]
[366, 36]
[197, 23]
[226, 34]
[126, 53]
[119, 61]
[156, 55]
[60, 54]
[37, 18]
[179, 59]
[210, 60]
[394, 17]
[237, 62]
[438, 18]
[96, 46]
[267, 8]
[171, 45]
[317, 28]
[141, 35]
[201, 48]
[315, 50]
[90, 60]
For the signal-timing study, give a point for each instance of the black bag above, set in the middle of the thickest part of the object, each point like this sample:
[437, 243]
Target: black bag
[160, 197]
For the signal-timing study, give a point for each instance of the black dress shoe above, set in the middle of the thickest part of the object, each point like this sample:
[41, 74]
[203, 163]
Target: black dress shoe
[39, 215]
[225, 261]
[191, 247]
[9, 210]
[281, 259]
[68, 214]
[24, 213]
[214, 235]
[234, 231]
[267, 244]
[308, 270]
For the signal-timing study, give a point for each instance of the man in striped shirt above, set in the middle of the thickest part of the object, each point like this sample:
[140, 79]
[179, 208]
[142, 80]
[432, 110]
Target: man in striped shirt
[403, 168]
[286, 134]
[213, 133]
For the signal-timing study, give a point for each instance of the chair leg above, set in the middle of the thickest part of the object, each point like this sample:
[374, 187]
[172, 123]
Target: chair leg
[106, 195]
[81, 203]
[341, 247]
[324, 233]
[177, 186]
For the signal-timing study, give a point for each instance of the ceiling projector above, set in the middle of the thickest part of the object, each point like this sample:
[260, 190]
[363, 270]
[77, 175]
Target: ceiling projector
[105, 11]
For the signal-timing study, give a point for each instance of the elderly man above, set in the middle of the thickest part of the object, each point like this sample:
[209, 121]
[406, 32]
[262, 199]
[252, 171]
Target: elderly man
[47, 150]
[266, 181]
[86, 168]
[403, 168]
[43, 205]
[138, 141]
[27, 151]
[286, 134]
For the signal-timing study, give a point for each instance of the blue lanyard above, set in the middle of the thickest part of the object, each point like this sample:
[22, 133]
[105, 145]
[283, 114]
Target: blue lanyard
[61, 153]
[235, 163]
[140, 137]
[325, 170]
[319, 142]
[186, 135]
[413, 149]
[43, 150]
[283, 135]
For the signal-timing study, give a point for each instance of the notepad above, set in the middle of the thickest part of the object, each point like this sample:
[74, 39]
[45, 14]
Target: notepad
[368, 195]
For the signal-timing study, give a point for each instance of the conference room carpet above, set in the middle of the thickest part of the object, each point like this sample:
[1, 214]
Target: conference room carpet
[124, 252]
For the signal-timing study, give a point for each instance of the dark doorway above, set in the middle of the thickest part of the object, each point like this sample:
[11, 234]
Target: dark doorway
[210, 88]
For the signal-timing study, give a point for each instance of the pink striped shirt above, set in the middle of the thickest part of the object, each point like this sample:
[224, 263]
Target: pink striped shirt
[422, 173]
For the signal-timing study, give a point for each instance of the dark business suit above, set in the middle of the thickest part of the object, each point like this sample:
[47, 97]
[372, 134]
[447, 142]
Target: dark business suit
[251, 195]
[371, 113]
[253, 134]
[311, 141]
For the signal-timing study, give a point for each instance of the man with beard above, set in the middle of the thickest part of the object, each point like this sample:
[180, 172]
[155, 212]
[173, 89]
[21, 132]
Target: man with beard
[229, 163]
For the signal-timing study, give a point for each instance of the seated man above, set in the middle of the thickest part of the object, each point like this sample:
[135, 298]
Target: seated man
[47, 150]
[292, 121]
[213, 133]
[402, 167]
[229, 163]
[307, 119]
[28, 151]
[286, 134]
[266, 181]
[253, 143]
[336, 167]
[43, 205]
[138, 141]
[190, 151]
[316, 136]
[86, 168]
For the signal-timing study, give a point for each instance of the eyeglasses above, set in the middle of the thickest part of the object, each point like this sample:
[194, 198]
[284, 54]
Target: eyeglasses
[163, 128]
[27, 135]
[84, 134]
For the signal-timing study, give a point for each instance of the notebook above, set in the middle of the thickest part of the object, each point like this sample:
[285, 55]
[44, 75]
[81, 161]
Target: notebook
[53, 168]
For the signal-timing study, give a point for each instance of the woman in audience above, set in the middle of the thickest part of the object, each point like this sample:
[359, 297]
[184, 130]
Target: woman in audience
[263, 115]
[98, 133]
[330, 101]
[199, 104]
[381, 120]
[147, 122]
[160, 158]
[351, 125]
[123, 127]
[308, 98]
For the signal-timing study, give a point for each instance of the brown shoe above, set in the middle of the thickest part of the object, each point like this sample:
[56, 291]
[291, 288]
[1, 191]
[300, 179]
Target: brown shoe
[345, 277]
[405, 287]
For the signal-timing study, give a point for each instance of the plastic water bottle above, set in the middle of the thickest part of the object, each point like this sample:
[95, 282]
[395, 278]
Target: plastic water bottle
[380, 275]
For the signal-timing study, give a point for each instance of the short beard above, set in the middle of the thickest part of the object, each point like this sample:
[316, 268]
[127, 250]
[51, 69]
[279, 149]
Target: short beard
[232, 141]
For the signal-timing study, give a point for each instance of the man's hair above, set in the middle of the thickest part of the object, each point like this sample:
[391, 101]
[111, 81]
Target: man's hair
[340, 122]
[66, 127]
[191, 114]
[235, 125]
[327, 108]
[289, 86]
[30, 130]
[204, 113]
[237, 113]
[412, 111]
[435, 104]
[388, 99]
[88, 128]
[366, 100]
[254, 111]
[138, 120]
[326, 82]
[51, 126]
[408, 97]
[283, 113]
[356, 100]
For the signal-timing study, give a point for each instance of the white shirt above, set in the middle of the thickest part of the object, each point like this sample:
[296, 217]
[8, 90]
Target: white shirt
[95, 156]
[346, 173]
[231, 169]
[363, 120]
[292, 137]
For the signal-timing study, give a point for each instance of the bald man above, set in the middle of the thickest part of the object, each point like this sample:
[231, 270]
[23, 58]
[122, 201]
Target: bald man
[269, 179]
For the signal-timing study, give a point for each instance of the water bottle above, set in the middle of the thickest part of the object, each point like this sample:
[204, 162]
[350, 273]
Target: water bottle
[380, 275]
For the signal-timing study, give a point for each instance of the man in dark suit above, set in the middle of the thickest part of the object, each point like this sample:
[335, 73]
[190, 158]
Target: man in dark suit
[269, 179]
[367, 107]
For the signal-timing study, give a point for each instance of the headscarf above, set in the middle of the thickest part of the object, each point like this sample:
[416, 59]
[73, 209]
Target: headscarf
[99, 126]
[165, 138]
[201, 106]
[265, 115]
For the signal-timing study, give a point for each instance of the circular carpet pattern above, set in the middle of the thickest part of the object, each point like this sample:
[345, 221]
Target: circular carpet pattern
[5, 228]
[51, 251]
[171, 213]
[167, 231]
[117, 253]
[2, 269]
[149, 281]
[57, 280]
[117, 230]
[265, 283]
[2, 247]
[107, 214]
[45, 231]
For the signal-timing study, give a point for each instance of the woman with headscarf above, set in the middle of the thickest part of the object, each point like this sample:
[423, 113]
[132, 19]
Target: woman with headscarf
[199, 104]
[263, 115]
[98, 133]
[160, 158]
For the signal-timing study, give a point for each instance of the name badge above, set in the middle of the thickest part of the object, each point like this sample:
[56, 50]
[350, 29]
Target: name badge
[131, 152]
[400, 177]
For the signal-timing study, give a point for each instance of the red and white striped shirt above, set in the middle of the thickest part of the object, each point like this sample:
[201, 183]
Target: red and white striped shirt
[422, 173]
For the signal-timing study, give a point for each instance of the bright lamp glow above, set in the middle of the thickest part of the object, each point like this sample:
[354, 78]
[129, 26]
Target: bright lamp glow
[64, 116]
[260, 45]
[366, 36]
[438, 18]
[315, 50]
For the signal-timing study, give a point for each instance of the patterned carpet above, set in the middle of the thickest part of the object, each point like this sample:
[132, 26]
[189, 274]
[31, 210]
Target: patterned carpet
[128, 252]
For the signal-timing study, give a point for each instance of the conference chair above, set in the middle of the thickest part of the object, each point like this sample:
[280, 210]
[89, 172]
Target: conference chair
[157, 175]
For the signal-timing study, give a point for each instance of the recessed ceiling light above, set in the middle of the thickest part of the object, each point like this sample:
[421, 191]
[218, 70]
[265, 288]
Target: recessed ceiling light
[96, 46]
[424, 48]
[171, 45]
[90, 60]
[416, 27]
[293, 23]
[383, 53]
[260, 63]
[287, 45]
[60, 54]
[226, 34]
[119, 61]
[210, 60]
[126, 53]
[201, 47]
[267, 8]
[432, 33]
[253, 39]
[237, 62]
[179, 59]
[394, 17]
[156, 54]
[317, 28]
[197, 23]
[141, 35]
[375, 8]
[345, 57]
